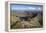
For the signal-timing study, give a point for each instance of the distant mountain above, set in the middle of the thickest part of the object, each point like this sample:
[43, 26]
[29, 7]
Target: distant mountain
[26, 12]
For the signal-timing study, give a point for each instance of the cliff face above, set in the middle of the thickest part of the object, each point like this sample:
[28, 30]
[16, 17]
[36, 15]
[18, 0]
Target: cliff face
[31, 23]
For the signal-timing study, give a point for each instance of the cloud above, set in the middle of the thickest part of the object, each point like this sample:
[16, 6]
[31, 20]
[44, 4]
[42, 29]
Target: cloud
[22, 7]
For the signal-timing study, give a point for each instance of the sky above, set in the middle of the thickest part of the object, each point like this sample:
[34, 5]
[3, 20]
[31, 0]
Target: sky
[26, 7]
